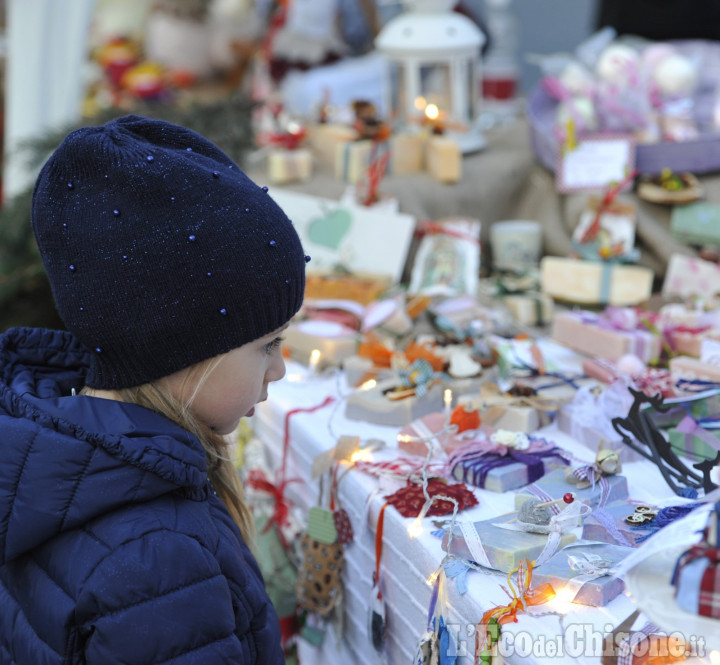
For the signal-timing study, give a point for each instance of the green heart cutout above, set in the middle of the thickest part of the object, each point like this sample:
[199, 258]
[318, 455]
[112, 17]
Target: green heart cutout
[330, 229]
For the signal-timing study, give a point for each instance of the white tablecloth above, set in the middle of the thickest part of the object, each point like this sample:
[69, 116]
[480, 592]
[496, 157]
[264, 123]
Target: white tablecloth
[572, 634]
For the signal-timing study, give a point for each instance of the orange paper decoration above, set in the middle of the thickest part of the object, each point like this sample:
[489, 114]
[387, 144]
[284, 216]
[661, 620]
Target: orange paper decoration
[415, 351]
[373, 349]
[465, 419]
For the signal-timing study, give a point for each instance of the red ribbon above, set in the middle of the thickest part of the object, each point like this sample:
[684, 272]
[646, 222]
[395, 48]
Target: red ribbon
[427, 227]
[258, 480]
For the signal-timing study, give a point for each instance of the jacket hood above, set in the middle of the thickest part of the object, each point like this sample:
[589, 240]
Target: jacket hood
[66, 460]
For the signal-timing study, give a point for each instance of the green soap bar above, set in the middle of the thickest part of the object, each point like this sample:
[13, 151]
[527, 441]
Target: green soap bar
[696, 223]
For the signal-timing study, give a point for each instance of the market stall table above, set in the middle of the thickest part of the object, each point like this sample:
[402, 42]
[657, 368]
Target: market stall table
[555, 628]
[506, 181]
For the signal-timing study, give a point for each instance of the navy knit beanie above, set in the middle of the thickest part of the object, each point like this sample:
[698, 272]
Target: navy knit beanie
[160, 251]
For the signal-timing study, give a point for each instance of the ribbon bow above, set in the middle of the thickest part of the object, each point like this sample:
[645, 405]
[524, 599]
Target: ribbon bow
[258, 480]
[419, 376]
[521, 598]
[590, 566]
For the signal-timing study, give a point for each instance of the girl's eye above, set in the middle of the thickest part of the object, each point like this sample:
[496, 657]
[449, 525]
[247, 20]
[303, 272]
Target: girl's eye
[275, 344]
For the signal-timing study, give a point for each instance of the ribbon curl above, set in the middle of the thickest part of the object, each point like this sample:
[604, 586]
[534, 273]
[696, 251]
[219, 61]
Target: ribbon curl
[521, 598]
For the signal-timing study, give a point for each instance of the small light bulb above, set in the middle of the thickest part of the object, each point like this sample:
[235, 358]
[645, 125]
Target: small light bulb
[415, 529]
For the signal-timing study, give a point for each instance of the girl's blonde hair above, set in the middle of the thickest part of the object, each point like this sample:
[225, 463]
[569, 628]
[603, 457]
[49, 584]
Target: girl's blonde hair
[221, 471]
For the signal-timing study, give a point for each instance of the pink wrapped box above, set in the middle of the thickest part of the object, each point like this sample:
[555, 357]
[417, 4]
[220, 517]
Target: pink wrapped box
[685, 367]
[595, 335]
[689, 343]
[689, 275]
[424, 427]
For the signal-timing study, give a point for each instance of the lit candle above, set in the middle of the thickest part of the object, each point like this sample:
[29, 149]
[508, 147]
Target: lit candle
[314, 360]
[447, 399]
[432, 117]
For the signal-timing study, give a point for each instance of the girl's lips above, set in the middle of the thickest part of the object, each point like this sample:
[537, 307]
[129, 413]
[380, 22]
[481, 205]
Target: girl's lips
[250, 413]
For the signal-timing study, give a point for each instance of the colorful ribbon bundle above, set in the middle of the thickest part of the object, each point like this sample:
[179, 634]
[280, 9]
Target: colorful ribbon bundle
[522, 595]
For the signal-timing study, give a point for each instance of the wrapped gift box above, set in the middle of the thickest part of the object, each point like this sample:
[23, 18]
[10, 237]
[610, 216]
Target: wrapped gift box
[696, 223]
[595, 283]
[374, 406]
[407, 153]
[591, 333]
[334, 341]
[587, 589]
[425, 427]
[689, 276]
[324, 139]
[686, 367]
[358, 370]
[503, 410]
[443, 159]
[608, 525]
[352, 159]
[507, 469]
[505, 549]
[530, 309]
[362, 289]
[591, 437]
[555, 485]
[689, 439]
[690, 343]
[286, 166]
[588, 419]
[513, 417]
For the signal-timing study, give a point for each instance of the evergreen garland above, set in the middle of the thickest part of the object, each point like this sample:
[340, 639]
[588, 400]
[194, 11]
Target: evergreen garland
[25, 295]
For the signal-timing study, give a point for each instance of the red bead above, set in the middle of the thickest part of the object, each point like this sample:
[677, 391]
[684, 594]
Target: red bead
[568, 497]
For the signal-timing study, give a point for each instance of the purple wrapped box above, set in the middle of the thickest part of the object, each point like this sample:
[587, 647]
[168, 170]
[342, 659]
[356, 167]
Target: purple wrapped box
[555, 485]
[501, 468]
[582, 573]
[608, 525]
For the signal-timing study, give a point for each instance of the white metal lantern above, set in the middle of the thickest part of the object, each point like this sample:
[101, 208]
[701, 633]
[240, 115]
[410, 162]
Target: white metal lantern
[434, 57]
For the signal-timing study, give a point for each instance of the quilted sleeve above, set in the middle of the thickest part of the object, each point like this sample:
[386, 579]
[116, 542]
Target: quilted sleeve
[161, 598]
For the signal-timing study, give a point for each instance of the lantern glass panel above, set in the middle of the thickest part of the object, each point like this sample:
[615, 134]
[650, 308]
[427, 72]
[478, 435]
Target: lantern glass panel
[436, 86]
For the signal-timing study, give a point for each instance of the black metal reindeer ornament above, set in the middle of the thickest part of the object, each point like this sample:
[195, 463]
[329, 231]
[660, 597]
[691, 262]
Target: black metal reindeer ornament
[638, 431]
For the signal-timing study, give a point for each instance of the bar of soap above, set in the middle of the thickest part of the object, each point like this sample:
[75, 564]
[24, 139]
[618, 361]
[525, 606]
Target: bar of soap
[505, 549]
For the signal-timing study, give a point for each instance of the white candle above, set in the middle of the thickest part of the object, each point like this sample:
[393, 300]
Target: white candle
[314, 360]
[447, 399]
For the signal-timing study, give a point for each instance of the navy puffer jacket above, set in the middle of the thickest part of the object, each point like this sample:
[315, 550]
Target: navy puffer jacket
[113, 547]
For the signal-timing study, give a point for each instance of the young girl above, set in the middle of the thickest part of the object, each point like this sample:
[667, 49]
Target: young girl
[123, 531]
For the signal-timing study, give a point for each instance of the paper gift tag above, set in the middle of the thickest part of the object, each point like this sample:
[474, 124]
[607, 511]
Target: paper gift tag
[321, 525]
[343, 526]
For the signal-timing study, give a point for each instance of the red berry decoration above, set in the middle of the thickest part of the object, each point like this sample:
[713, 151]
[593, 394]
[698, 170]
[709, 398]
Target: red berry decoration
[568, 497]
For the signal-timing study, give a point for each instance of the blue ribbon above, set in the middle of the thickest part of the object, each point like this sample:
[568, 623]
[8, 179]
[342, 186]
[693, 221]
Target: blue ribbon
[605, 282]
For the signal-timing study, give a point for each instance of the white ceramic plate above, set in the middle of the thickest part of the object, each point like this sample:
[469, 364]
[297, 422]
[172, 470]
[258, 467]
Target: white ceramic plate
[649, 584]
